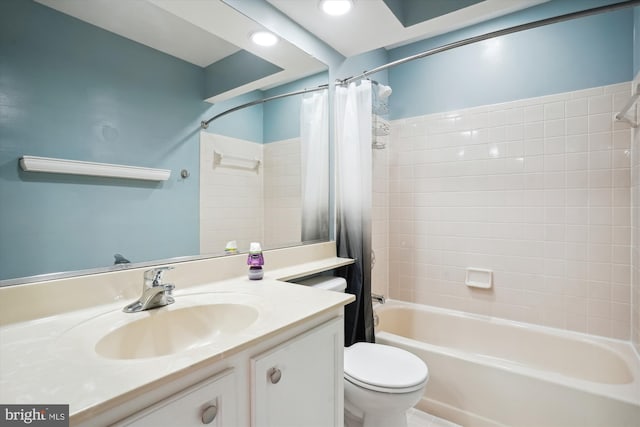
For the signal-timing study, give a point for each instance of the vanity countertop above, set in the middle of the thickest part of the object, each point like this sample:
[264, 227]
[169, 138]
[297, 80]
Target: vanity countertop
[51, 359]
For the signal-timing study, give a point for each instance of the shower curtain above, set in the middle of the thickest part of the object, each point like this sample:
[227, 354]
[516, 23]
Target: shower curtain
[353, 123]
[314, 140]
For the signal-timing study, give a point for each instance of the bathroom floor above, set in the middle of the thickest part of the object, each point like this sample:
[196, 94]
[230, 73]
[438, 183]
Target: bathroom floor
[416, 418]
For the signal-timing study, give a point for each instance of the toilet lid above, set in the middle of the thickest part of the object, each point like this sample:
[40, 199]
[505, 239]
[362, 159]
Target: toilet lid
[384, 368]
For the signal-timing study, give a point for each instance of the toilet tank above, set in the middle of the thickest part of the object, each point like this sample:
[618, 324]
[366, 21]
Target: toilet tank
[330, 283]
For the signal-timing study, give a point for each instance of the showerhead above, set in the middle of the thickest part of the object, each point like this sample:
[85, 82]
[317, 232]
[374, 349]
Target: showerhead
[383, 92]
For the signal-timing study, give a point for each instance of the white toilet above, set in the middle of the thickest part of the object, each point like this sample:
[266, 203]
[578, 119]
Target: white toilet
[381, 382]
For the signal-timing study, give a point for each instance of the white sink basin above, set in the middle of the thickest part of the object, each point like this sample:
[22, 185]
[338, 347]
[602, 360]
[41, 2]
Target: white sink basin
[193, 321]
[165, 331]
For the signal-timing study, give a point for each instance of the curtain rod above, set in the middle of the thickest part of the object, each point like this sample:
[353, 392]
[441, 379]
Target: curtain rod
[205, 123]
[510, 30]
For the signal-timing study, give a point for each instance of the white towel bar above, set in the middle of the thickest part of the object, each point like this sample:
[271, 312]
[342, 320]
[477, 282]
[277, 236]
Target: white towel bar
[236, 162]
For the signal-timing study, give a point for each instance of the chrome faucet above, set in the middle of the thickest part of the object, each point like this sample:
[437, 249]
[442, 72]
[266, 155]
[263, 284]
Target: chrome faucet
[154, 292]
[379, 298]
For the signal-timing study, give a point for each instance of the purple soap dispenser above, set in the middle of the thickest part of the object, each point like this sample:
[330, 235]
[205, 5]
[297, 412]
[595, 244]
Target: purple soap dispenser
[255, 261]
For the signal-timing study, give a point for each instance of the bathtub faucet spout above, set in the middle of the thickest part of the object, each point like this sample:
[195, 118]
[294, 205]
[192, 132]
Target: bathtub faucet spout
[379, 298]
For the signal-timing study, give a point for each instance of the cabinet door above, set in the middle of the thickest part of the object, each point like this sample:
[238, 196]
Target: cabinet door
[211, 402]
[299, 383]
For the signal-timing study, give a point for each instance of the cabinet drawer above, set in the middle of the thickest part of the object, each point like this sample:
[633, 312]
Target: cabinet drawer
[211, 402]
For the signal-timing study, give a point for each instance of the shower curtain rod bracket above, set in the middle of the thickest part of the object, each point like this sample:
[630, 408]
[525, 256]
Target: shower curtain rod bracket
[622, 115]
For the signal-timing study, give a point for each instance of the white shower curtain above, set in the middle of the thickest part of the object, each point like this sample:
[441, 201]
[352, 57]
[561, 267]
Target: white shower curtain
[353, 123]
[314, 140]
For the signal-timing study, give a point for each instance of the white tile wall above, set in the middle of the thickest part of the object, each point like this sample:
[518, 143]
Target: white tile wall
[231, 206]
[635, 235]
[537, 190]
[380, 222]
[242, 205]
[282, 192]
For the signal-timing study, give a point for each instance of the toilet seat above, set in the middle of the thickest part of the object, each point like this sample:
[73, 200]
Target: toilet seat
[384, 368]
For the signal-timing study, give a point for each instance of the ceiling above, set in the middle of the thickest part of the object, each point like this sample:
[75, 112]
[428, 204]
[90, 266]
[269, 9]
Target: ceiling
[378, 27]
[151, 25]
[203, 32]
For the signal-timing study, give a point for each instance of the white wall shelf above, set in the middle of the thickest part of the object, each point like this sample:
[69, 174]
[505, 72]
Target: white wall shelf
[76, 167]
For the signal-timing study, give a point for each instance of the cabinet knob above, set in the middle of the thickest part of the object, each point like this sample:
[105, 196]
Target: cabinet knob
[274, 375]
[209, 414]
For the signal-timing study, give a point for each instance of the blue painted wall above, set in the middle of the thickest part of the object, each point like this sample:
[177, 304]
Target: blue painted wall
[281, 115]
[71, 90]
[126, 103]
[271, 121]
[572, 55]
[636, 41]
[234, 71]
[367, 61]
[246, 123]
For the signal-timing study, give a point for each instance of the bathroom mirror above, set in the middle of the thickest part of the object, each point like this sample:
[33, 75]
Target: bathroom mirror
[76, 86]
[278, 170]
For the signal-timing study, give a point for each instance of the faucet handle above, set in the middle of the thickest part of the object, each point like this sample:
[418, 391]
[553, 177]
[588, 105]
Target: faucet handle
[168, 289]
[153, 277]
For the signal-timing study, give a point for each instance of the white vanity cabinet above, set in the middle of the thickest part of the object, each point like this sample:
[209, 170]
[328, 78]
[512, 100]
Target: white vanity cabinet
[299, 383]
[291, 379]
[211, 402]
[201, 357]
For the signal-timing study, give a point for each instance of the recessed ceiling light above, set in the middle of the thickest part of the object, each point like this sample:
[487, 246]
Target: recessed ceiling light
[264, 38]
[336, 7]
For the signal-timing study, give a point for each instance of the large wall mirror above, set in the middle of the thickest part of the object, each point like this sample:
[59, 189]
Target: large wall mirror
[128, 82]
[267, 182]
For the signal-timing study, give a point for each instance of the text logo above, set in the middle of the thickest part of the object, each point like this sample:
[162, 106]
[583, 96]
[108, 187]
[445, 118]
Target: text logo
[34, 415]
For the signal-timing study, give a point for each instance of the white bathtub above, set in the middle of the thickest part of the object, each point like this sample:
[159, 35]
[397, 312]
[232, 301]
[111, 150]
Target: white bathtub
[492, 372]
